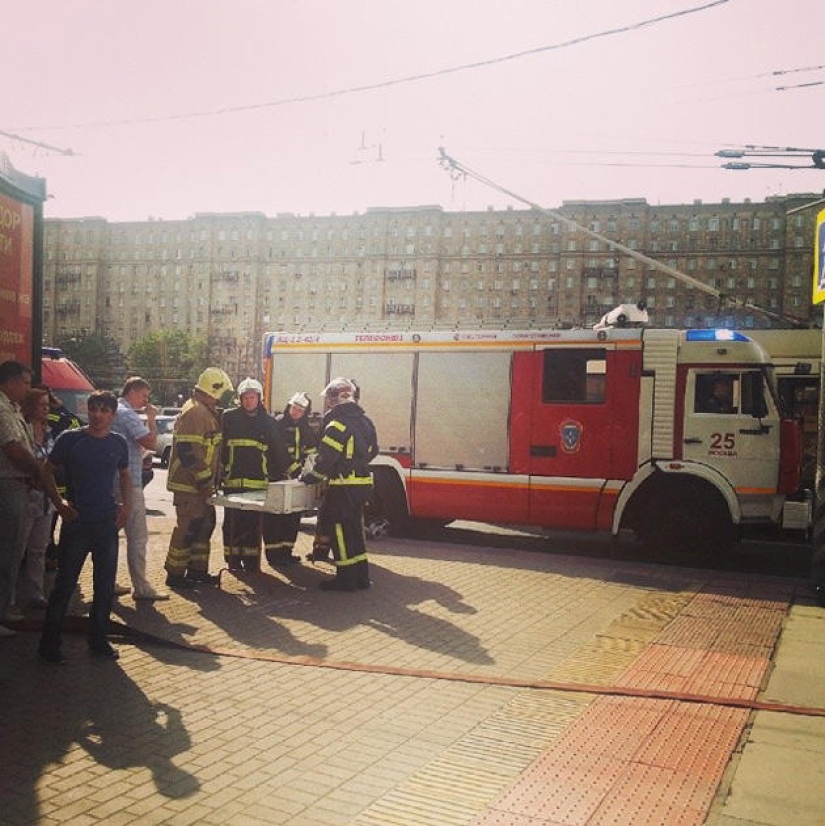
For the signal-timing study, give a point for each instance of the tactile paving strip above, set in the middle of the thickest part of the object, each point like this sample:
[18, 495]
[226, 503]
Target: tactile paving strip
[458, 784]
[655, 761]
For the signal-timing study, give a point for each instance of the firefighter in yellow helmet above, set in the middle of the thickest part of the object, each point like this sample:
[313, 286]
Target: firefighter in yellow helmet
[193, 475]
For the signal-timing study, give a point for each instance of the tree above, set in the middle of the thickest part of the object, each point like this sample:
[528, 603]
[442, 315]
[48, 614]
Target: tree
[98, 355]
[170, 360]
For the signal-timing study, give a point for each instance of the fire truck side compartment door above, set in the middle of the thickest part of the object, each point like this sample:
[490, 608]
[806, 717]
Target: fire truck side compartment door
[385, 380]
[569, 450]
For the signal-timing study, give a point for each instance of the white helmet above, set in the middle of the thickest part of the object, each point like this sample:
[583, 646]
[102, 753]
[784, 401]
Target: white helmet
[250, 384]
[339, 390]
[299, 399]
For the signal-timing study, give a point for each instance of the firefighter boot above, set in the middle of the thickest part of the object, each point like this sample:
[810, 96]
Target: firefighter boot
[251, 564]
[203, 577]
[233, 562]
[362, 575]
[345, 580]
[321, 550]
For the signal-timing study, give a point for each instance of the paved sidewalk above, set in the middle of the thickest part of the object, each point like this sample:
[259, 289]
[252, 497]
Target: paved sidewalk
[424, 700]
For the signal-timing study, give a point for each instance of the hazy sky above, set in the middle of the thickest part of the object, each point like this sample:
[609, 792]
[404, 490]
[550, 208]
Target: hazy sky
[179, 106]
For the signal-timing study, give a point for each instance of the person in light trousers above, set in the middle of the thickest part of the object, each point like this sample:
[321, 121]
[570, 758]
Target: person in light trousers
[140, 436]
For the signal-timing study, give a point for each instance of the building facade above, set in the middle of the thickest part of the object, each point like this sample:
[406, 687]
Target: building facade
[231, 277]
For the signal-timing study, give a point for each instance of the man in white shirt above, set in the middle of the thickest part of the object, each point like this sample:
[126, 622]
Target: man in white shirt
[140, 436]
[18, 471]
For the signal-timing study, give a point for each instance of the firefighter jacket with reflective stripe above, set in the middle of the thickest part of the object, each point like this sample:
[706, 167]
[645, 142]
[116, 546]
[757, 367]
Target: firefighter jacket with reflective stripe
[253, 451]
[193, 465]
[347, 446]
[300, 440]
[60, 419]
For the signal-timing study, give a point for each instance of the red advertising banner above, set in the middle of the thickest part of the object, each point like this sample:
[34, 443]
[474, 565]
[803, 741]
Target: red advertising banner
[16, 279]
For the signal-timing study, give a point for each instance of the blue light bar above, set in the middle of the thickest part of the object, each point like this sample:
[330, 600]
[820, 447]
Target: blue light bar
[715, 335]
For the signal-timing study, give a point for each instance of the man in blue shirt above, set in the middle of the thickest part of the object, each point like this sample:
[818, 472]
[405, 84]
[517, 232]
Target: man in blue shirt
[92, 458]
[139, 436]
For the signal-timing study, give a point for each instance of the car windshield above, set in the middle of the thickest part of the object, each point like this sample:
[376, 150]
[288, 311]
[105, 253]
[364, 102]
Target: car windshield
[165, 425]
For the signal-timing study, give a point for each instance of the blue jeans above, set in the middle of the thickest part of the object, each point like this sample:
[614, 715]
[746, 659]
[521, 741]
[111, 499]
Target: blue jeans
[76, 541]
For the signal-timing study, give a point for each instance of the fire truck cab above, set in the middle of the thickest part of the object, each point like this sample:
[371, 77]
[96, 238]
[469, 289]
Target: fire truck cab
[676, 435]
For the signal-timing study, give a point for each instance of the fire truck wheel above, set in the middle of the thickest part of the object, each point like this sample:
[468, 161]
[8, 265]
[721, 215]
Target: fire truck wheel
[388, 503]
[424, 528]
[689, 523]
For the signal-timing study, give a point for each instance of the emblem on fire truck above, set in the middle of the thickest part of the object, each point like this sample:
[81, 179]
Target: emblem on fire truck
[571, 435]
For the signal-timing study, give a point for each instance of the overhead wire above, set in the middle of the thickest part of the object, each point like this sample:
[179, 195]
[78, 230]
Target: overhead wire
[456, 168]
[575, 41]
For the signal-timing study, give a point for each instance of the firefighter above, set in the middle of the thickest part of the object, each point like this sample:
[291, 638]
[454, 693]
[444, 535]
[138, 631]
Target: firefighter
[193, 471]
[253, 453]
[60, 418]
[347, 446]
[281, 529]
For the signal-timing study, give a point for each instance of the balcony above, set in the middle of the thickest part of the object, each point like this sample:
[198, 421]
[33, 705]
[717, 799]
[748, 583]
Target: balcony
[399, 309]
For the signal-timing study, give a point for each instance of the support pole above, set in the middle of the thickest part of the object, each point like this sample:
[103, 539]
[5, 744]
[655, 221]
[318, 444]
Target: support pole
[818, 551]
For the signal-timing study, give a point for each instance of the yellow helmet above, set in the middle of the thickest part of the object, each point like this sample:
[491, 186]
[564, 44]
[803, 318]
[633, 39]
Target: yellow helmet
[214, 382]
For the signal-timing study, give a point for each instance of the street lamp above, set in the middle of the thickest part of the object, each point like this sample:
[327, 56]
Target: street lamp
[816, 156]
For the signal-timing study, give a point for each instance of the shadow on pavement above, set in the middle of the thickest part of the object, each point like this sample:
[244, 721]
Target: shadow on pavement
[389, 606]
[762, 551]
[49, 711]
[234, 609]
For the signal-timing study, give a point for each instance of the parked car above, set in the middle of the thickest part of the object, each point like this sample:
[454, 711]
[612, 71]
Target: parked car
[147, 472]
[163, 444]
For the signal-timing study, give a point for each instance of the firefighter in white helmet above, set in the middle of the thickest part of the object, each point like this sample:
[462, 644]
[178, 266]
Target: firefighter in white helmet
[253, 454]
[348, 444]
[193, 474]
[281, 529]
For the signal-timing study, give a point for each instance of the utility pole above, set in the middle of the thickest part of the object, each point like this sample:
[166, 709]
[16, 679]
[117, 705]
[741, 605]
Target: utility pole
[818, 551]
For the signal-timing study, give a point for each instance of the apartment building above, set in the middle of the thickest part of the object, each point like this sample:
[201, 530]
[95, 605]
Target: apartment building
[229, 277]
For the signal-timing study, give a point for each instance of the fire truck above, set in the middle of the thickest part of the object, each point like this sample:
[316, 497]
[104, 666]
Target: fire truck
[66, 379]
[676, 435]
[796, 356]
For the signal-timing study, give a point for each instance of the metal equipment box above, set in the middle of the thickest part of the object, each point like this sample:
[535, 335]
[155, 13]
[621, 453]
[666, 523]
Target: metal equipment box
[290, 496]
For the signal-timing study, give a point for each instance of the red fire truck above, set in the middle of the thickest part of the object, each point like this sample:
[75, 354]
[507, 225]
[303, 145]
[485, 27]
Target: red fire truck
[676, 435]
[66, 379]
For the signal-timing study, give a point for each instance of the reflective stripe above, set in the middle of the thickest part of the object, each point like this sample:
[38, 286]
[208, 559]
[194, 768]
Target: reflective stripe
[345, 561]
[247, 484]
[333, 443]
[278, 546]
[233, 459]
[246, 443]
[351, 480]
